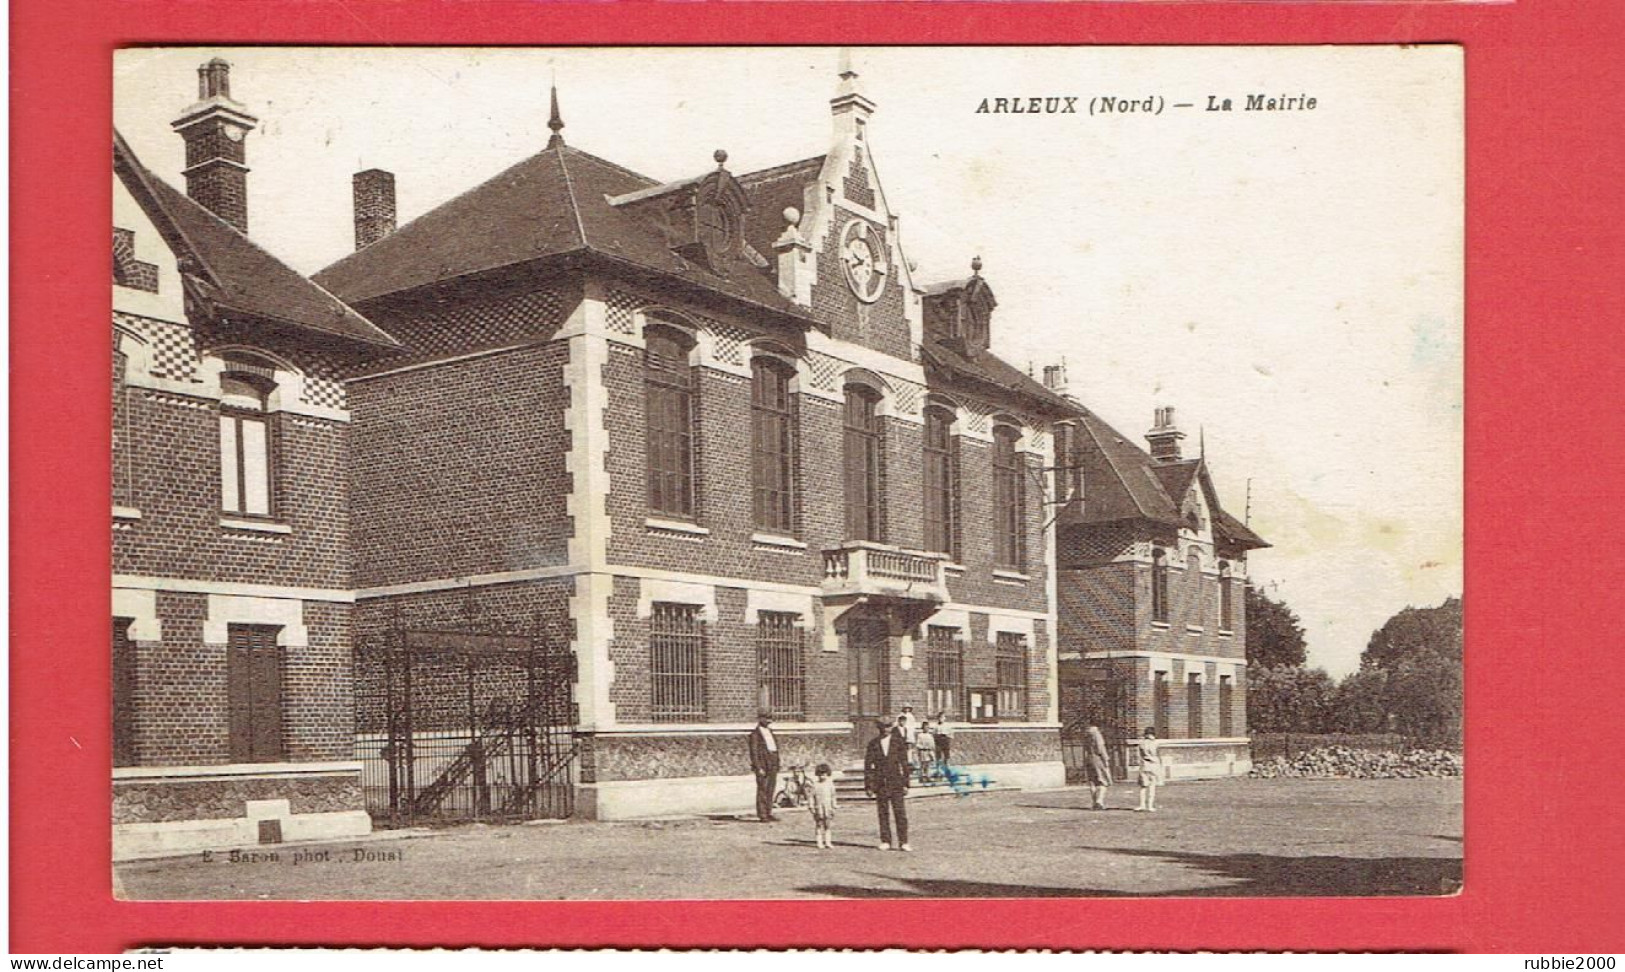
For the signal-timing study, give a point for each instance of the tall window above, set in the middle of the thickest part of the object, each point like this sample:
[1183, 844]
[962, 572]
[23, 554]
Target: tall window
[945, 672]
[668, 391]
[1159, 585]
[772, 434]
[1193, 705]
[1007, 498]
[123, 694]
[677, 663]
[863, 464]
[1159, 704]
[940, 483]
[1227, 604]
[781, 659]
[1068, 478]
[254, 693]
[1010, 660]
[1227, 699]
[247, 459]
[1196, 613]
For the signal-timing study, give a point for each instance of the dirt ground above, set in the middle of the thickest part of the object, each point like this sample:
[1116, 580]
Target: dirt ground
[1218, 838]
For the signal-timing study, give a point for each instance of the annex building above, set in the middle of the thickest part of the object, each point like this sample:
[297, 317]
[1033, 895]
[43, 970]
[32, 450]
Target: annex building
[527, 507]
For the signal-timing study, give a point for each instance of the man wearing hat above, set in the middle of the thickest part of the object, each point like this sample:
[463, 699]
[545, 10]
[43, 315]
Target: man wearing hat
[764, 762]
[886, 778]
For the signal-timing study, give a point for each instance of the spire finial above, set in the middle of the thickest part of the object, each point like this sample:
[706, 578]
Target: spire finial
[556, 122]
[976, 266]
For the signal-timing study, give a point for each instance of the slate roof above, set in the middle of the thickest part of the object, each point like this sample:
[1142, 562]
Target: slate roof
[554, 205]
[1122, 482]
[230, 271]
[943, 363]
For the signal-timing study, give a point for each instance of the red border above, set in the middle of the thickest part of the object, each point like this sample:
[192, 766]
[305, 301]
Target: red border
[1545, 254]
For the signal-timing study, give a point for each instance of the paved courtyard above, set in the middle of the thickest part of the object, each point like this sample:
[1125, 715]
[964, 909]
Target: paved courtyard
[1226, 837]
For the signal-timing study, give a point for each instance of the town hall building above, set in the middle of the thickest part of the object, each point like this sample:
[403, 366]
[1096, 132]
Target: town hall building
[529, 506]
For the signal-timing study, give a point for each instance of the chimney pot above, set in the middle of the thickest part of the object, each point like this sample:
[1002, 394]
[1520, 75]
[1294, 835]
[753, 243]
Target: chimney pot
[214, 131]
[374, 195]
[1164, 436]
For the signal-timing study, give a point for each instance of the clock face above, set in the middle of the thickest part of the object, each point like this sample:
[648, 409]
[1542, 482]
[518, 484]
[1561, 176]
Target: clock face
[864, 259]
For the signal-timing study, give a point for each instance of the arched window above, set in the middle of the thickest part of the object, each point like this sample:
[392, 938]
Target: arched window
[668, 396]
[1159, 585]
[864, 464]
[941, 483]
[1008, 505]
[773, 436]
[247, 447]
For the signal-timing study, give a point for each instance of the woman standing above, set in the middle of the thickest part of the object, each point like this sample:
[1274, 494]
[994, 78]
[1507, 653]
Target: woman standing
[1150, 770]
[1096, 766]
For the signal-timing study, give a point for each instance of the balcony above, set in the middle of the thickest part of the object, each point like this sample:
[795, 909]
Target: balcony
[880, 570]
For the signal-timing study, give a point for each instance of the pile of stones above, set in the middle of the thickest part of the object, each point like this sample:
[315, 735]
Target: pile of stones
[1342, 763]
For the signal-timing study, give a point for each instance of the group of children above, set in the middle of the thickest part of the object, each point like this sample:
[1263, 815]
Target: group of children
[929, 747]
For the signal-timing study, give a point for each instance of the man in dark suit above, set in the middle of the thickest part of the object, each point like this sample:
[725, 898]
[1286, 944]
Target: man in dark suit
[764, 762]
[886, 778]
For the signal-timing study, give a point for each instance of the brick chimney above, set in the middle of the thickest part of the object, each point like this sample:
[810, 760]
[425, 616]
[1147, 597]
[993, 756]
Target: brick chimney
[374, 191]
[214, 129]
[1164, 436]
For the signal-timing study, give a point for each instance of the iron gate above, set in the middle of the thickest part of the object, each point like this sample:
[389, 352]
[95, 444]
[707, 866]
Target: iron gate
[464, 725]
[1103, 699]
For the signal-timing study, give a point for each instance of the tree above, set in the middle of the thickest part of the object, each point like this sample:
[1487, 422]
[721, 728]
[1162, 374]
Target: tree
[1361, 703]
[1289, 698]
[1410, 677]
[1413, 632]
[1274, 633]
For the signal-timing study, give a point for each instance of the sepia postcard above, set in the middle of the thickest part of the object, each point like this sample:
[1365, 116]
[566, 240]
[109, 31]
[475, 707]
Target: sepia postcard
[748, 472]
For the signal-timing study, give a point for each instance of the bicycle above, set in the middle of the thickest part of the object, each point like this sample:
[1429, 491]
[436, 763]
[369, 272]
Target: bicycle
[797, 790]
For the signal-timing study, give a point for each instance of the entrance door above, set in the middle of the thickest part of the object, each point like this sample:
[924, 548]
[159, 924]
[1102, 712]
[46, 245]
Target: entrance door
[868, 643]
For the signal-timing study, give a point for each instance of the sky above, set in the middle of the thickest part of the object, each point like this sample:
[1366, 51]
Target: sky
[1289, 281]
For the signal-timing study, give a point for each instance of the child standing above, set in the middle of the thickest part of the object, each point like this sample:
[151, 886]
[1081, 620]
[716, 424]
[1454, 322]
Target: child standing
[822, 805]
[925, 746]
[1150, 770]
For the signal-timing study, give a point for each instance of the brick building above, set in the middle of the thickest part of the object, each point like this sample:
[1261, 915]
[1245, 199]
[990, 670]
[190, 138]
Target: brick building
[528, 506]
[1150, 578]
[232, 583]
[711, 435]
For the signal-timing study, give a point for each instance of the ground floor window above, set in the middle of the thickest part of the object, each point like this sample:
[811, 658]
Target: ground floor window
[254, 690]
[677, 663]
[123, 694]
[945, 673]
[1193, 705]
[1227, 701]
[1159, 704]
[1010, 654]
[781, 659]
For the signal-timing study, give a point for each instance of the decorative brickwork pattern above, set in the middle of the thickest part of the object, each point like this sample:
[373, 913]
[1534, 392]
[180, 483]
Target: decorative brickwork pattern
[620, 310]
[856, 184]
[129, 271]
[443, 330]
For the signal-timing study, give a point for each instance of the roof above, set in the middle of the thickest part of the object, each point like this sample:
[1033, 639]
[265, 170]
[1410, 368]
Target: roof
[232, 272]
[988, 369]
[1123, 482]
[560, 202]
[772, 191]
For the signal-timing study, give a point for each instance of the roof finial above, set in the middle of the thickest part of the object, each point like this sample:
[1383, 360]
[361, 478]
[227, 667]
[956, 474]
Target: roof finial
[556, 122]
[976, 266]
[1201, 441]
[721, 157]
